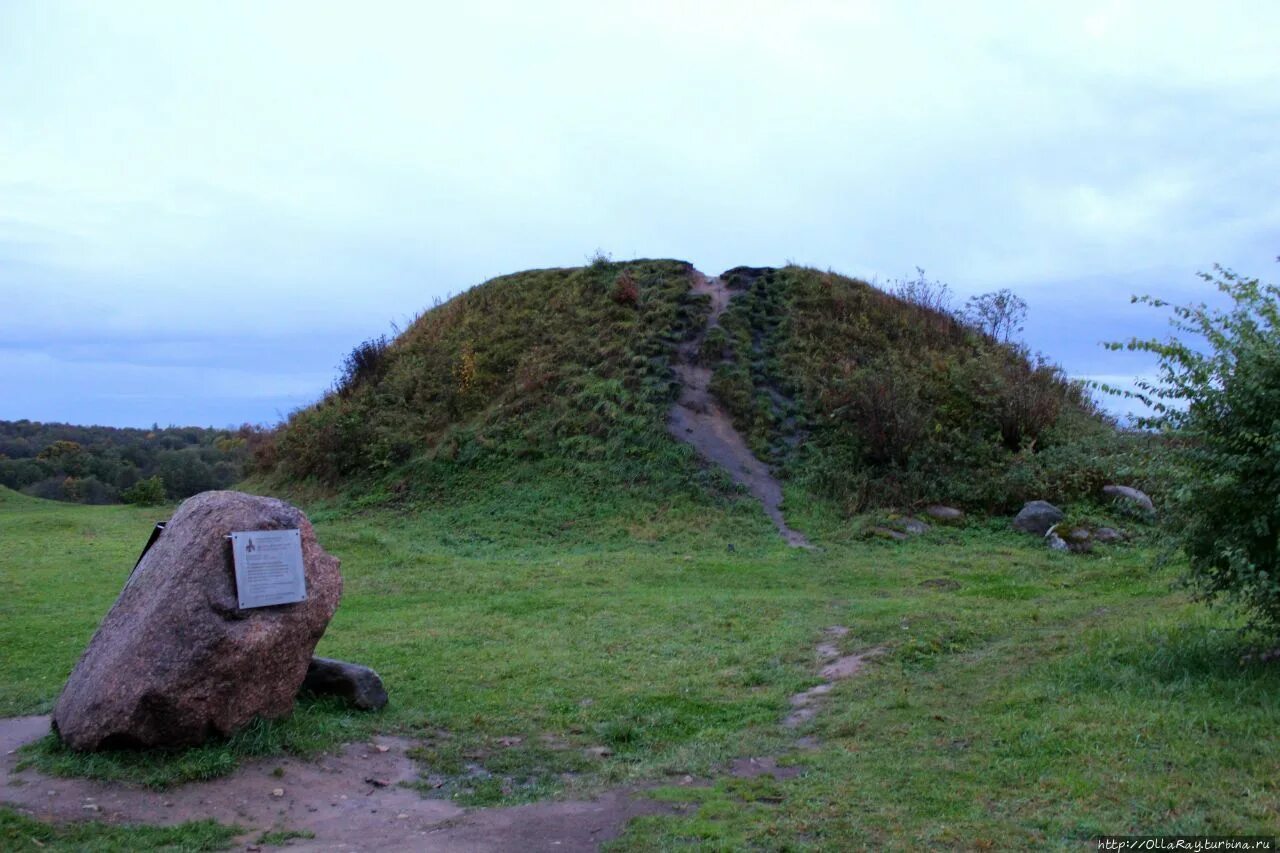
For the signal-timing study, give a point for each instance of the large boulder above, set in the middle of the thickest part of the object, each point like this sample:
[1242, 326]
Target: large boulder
[176, 660]
[358, 685]
[1037, 517]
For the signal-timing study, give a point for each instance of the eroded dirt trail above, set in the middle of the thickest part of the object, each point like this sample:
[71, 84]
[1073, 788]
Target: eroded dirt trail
[351, 801]
[697, 419]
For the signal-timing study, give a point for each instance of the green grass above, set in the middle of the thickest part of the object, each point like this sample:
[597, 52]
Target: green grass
[281, 837]
[1027, 697]
[18, 832]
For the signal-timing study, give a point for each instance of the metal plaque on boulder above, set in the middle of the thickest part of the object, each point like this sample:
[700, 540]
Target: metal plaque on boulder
[268, 567]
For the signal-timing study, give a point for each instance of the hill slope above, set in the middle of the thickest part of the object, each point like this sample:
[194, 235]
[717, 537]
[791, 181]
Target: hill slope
[857, 397]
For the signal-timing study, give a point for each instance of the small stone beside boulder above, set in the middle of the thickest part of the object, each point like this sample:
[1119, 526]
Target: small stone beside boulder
[1037, 517]
[945, 514]
[1133, 497]
[176, 661]
[357, 684]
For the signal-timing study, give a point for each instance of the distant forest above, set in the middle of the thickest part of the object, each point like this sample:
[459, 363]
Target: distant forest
[102, 465]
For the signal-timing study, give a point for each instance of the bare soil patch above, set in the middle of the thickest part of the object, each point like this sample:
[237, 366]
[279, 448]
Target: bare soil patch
[698, 420]
[351, 800]
[836, 667]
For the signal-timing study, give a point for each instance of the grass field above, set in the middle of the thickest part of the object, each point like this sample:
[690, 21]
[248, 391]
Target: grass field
[1028, 698]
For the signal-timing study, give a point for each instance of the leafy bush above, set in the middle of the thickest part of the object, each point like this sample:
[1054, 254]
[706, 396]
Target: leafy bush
[148, 492]
[363, 364]
[999, 314]
[1217, 393]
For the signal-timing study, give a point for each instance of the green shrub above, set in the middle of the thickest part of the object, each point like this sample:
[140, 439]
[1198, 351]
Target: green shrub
[148, 492]
[1217, 394]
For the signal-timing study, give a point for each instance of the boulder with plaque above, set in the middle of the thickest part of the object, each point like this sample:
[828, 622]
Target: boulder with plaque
[215, 626]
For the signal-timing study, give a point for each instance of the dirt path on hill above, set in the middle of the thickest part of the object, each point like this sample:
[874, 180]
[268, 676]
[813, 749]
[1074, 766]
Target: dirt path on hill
[697, 419]
[351, 800]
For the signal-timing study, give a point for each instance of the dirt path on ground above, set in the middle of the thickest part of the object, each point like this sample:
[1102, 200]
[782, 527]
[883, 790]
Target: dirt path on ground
[697, 419]
[836, 667]
[357, 798]
[351, 801]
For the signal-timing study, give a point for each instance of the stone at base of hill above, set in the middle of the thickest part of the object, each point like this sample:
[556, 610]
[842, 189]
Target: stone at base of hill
[915, 526]
[1079, 540]
[938, 512]
[357, 684]
[176, 661]
[1108, 535]
[1037, 517]
[1132, 496]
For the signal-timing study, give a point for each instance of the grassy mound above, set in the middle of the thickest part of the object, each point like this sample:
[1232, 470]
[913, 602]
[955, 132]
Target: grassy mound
[567, 364]
[860, 398]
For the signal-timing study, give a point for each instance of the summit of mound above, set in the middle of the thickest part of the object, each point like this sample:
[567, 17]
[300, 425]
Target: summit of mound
[854, 397]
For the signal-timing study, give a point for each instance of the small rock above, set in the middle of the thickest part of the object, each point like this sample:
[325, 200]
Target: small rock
[938, 512]
[1037, 517]
[359, 685]
[888, 533]
[382, 748]
[1135, 497]
[1056, 542]
[1108, 534]
[377, 783]
[402, 816]
[277, 792]
[599, 751]
[93, 807]
[511, 740]
[915, 526]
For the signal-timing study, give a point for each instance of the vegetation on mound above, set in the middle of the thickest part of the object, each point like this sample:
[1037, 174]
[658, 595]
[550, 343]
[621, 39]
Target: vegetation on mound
[566, 363]
[870, 399]
[861, 397]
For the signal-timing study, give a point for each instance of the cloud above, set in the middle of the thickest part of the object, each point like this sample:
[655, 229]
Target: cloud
[270, 170]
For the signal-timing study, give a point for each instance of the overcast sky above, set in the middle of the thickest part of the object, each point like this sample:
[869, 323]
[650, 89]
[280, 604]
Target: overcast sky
[204, 206]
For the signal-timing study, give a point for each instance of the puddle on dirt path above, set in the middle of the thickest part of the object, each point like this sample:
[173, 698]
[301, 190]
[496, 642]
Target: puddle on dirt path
[698, 420]
[352, 800]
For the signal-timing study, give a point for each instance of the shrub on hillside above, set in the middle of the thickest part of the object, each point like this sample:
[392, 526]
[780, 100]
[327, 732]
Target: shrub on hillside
[1217, 393]
[901, 402]
[148, 492]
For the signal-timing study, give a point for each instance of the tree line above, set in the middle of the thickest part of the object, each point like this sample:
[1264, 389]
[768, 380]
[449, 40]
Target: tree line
[102, 465]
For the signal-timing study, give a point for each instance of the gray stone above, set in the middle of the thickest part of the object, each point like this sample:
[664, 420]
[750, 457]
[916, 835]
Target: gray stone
[915, 526]
[1130, 495]
[1056, 542]
[1037, 517]
[176, 660]
[938, 512]
[359, 685]
[1108, 535]
[889, 533]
